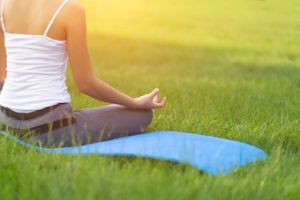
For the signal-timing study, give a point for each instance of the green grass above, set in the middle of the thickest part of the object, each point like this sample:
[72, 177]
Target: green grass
[229, 69]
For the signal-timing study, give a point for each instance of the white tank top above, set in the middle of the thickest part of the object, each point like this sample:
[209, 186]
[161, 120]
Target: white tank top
[36, 67]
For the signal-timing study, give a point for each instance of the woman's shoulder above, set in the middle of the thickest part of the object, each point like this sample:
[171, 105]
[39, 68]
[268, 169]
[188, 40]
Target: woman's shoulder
[74, 9]
[74, 17]
[75, 5]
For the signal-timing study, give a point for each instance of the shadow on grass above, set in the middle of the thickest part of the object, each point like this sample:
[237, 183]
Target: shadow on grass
[125, 162]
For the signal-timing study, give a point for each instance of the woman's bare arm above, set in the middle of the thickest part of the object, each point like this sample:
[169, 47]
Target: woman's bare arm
[2, 58]
[82, 70]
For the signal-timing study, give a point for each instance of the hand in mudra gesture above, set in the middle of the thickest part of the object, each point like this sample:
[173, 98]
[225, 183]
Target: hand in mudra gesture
[150, 101]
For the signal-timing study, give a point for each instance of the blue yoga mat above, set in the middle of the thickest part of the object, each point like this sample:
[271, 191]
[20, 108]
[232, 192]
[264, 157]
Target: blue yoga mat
[211, 155]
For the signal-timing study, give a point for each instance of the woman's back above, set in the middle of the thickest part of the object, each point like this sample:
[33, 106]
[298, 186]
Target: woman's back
[36, 63]
[33, 16]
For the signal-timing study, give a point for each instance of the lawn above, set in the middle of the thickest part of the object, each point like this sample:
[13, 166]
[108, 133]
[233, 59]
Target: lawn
[229, 69]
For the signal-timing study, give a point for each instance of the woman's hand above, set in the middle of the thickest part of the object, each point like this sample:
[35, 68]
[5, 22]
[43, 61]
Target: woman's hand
[150, 101]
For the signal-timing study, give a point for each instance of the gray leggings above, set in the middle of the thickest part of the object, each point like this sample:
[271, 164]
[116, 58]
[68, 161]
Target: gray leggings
[91, 124]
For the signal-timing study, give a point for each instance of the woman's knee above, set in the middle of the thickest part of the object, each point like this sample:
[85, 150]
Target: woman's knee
[148, 117]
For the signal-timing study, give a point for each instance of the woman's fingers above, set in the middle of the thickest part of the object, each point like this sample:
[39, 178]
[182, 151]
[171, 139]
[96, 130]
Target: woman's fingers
[161, 103]
[157, 98]
[154, 93]
[156, 102]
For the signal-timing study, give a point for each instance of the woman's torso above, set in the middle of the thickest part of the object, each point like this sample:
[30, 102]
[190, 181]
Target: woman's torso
[36, 55]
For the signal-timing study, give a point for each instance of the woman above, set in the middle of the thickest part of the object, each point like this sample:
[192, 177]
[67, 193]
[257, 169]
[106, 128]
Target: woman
[37, 39]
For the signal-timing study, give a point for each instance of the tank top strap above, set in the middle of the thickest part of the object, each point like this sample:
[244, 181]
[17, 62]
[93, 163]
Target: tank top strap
[2, 16]
[54, 17]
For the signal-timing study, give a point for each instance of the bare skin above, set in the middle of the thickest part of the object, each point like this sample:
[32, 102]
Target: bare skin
[70, 25]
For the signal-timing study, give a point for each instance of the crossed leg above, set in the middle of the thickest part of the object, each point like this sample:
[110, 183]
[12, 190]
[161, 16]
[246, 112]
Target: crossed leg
[112, 121]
